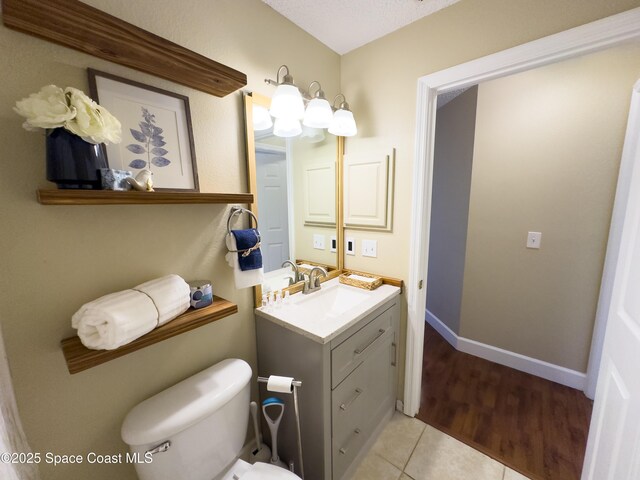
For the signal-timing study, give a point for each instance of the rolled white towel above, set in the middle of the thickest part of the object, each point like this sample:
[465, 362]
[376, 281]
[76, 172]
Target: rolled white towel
[115, 319]
[170, 294]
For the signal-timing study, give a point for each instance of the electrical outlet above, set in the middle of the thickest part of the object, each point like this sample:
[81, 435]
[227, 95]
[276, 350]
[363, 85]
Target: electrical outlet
[369, 248]
[534, 239]
[350, 245]
[333, 242]
[318, 242]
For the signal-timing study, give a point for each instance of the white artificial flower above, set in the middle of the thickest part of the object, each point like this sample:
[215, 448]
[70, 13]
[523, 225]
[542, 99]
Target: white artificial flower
[112, 127]
[46, 109]
[93, 123]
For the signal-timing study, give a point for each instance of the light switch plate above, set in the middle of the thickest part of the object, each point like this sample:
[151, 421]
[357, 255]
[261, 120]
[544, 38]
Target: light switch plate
[350, 245]
[534, 239]
[333, 244]
[369, 248]
[318, 242]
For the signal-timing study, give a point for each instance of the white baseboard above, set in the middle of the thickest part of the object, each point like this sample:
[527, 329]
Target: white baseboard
[539, 368]
[444, 331]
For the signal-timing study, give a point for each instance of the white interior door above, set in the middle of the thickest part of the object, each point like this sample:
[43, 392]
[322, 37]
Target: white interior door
[271, 173]
[613, 448]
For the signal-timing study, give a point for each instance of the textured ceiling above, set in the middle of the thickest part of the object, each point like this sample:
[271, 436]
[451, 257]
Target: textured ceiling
[343, 25]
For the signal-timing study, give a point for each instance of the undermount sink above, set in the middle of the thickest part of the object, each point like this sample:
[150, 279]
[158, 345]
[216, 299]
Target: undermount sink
[332, 300]
[324, 314]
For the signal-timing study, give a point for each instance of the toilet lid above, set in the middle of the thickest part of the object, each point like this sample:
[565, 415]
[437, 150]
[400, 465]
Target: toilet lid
[265, 471]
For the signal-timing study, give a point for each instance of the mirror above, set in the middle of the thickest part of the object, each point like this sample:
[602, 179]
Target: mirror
[295, 183]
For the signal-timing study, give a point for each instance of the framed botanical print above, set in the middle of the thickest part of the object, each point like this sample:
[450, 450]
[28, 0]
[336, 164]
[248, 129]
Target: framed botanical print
[156, 131]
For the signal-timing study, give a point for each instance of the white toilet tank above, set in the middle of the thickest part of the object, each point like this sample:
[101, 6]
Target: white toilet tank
[198, 425]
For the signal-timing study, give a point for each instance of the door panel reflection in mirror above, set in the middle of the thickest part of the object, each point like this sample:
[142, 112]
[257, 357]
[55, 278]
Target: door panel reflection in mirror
[368, 190]
[294, 180]
[319, 179]
[271, 173]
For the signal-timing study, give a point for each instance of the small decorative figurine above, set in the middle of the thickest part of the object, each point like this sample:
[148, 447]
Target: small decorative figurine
[143, 181]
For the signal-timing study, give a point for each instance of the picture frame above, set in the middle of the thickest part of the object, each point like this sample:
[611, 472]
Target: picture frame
[157, 132]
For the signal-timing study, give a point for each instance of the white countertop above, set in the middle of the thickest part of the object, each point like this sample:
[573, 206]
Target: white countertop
[326, 313]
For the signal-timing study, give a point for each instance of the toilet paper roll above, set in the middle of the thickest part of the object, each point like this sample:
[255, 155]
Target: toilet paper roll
[280, 384]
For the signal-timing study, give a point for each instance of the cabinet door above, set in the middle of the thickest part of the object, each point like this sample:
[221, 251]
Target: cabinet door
[360, 402]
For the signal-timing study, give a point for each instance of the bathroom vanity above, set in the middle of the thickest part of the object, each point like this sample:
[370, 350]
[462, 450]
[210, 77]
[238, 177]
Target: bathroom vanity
[341, 342]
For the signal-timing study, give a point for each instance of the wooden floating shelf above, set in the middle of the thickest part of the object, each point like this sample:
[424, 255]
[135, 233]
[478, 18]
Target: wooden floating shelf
[82, 27]
[110, 197]
[80, 358]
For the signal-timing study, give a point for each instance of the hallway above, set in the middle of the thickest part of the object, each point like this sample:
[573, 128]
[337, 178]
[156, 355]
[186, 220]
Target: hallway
[530, 424]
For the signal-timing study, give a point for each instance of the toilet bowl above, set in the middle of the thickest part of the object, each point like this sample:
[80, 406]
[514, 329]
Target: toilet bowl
[195, 429]
[258, 471]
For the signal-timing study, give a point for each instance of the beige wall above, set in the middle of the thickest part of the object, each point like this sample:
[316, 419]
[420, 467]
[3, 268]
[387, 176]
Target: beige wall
[453, 158]
[380, 83]
[547, 152]
[55, 258]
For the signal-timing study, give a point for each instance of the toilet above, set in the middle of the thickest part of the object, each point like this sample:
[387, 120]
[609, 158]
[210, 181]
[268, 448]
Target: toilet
[196, 429]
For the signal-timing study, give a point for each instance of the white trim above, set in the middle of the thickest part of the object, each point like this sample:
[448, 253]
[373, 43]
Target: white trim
[539, 368]
[268, 148]
[577, 41]
[443, 329]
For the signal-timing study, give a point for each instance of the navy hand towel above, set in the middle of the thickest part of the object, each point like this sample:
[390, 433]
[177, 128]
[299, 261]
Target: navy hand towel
[245, 240]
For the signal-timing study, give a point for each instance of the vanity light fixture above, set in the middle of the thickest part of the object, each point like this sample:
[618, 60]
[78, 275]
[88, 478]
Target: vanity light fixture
[287, 107]
[287, 127]
[312, 135]
[343, 124]
[318, 113]
[286, 102]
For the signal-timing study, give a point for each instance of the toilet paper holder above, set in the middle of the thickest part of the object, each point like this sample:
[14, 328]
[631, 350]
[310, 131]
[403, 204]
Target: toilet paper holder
[295, 384]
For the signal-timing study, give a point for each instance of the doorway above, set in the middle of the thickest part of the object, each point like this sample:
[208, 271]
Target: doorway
[513, 155]
[589, 38]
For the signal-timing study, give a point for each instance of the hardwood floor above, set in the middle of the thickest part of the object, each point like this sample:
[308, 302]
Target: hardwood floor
[532, 425]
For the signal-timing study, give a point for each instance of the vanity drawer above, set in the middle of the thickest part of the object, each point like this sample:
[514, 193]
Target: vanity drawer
[360, 401]
[353, 351]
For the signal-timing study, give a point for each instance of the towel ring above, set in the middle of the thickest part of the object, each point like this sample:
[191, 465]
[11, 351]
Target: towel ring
[239, 211]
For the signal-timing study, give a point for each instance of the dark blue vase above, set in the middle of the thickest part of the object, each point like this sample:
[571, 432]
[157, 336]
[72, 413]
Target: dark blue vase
[72, 162]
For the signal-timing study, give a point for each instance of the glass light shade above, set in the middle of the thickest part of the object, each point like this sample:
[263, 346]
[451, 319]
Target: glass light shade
[261, 118]
[285, 128]
[312, 135]
[343, 124]
[287, 103]
[318, 114]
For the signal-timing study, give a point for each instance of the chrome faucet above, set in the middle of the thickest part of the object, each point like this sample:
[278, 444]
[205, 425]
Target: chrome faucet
[313, 282]
[296, 274]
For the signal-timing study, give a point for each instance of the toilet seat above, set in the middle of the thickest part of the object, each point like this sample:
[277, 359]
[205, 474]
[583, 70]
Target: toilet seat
[259, 471]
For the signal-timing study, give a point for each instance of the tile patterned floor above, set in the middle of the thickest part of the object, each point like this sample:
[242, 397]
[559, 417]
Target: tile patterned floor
[409, 449]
